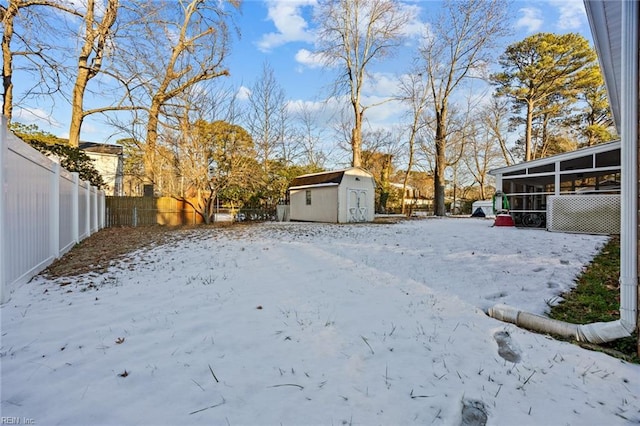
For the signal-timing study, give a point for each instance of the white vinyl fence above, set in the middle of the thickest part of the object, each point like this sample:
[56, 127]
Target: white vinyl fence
[44, 211]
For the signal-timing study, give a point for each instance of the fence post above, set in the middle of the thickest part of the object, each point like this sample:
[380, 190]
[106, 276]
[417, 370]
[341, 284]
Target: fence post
[87, 210]
[54, 214]
[94, 209]
[75, 208]
[103, 208]
[135, 216]
[4, 147]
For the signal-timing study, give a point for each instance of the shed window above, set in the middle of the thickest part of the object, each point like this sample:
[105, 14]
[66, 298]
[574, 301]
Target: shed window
[308, 195]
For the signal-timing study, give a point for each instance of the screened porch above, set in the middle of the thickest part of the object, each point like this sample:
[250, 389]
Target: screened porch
[587, 171]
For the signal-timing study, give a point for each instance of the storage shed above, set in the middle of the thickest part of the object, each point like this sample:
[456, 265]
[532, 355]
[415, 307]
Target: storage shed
[338, 196]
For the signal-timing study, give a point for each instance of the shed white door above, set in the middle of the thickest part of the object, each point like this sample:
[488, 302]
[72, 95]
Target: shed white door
[357, 205]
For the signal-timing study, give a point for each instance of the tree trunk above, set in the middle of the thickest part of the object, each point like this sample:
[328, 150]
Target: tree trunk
[356, 139]
[505, 151]
[527, 132]
[454, 207]
[384, 182]
[441, 163]
[407, 173]
[90, 61]
[7, 60]
[77, 104]
[151, 141]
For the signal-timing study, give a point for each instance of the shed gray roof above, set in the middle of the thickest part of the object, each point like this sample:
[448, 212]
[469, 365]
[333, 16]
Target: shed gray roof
[102, 148]
[318, 178]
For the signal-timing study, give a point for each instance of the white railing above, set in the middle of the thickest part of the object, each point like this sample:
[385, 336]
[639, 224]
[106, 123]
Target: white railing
[44, 211]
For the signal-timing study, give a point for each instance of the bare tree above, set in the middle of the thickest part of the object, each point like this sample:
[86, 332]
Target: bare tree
[380, 148]
[309, 135]
[220, 162]
[29, 46]
[494, 118]
[267, 118]
[482, 153]
[49, 55]
[457, 135]
[176, 50]
[204, 156]
[458, 48]
[414, 92]
[97, 31]
[353, 34]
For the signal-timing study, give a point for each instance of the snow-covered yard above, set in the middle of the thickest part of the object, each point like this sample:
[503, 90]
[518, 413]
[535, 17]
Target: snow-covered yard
[292, 324]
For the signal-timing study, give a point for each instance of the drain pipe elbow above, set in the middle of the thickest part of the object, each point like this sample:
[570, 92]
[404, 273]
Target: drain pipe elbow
[602, 332]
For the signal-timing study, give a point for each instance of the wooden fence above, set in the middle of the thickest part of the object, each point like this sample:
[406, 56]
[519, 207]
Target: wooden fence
[144, 211]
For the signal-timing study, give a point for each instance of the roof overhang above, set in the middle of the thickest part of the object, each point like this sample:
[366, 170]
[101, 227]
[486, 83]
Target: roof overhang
[315, 185]
[605, 20]
[565, 156]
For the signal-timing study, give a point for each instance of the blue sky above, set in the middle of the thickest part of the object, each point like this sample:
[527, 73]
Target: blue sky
[281, 32]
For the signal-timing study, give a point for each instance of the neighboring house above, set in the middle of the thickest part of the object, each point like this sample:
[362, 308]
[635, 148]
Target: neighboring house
[338, 196]
[411, 196]
[108, 161]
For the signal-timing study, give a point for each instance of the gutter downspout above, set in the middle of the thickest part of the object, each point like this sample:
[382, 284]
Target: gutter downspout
[601, 332]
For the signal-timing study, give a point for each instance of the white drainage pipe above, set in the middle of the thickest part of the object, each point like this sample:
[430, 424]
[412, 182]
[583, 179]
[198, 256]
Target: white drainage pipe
[598, 332]
[601, 332]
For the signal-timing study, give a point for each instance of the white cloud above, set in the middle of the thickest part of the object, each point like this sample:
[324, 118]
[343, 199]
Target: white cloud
[531, 19]
[415, 27]
[309, 59]
[379, 89]
[289, 22]
[36, 116]
[243, 93]
[323, 112]
[382, 84]
[571, 14]
[90, 129]
[385, 113]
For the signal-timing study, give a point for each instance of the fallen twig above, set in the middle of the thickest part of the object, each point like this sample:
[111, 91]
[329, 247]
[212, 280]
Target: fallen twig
[213, 374]
[499, 387]
[364, 339]
[198, 384]
[527, 381]
[206, 408]
[437, 416]
[287, 384]
[419, 396]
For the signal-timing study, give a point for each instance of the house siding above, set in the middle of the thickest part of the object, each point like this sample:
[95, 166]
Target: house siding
[323, 208]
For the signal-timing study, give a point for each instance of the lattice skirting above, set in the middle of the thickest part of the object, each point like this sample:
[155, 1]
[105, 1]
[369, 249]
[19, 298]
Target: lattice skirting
[587, 214]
